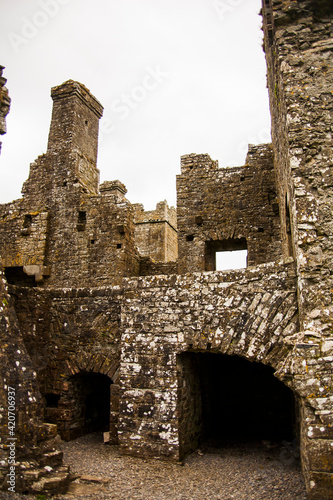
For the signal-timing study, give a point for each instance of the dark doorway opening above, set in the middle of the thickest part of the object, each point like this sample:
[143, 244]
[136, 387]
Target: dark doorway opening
[89, 402]
[230, 400]
[52, 400]
[16, 276]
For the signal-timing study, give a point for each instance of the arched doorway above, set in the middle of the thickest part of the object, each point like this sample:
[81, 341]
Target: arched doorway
[88, 404]
[96, 393]
[227, 399]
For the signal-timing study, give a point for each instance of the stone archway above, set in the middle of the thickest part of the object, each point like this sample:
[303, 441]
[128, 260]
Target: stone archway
[90, 381]
[248, 313]
[227, 399]
[83, 406]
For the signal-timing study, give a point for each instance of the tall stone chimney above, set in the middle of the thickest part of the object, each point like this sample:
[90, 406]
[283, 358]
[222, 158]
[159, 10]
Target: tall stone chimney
[75, 118]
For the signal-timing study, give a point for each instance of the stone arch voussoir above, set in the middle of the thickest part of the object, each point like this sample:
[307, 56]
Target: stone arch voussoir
[96, 363]
[257, 329]
[222, 234]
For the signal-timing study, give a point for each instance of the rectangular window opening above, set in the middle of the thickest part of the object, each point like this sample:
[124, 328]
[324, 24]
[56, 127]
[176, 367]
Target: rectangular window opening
[81, 221]
[222, 255]
[27, 221]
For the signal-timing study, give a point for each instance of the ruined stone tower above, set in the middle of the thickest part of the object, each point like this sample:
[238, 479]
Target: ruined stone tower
[110, 296]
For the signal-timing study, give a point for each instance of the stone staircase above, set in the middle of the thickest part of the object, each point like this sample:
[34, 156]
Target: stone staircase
[43, 471]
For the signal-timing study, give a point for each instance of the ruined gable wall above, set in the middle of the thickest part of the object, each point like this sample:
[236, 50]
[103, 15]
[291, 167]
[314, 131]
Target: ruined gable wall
[90, 240]
[225, 204]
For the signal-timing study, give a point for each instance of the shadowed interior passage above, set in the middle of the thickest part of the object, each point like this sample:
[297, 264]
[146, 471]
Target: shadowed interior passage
[227, 399]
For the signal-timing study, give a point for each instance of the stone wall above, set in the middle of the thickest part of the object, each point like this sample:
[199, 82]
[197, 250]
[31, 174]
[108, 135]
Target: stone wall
[24, 236]
[150, 268]
[29, 445]
[227, 209]
[249, 313]
[68, 332]
[189, 403]
[156, 232]
[298, 46]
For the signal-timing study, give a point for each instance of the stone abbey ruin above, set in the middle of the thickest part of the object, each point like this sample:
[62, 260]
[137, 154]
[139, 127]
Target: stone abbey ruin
[115, 319]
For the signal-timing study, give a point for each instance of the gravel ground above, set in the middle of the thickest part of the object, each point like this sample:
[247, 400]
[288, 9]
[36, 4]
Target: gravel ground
[242, 472]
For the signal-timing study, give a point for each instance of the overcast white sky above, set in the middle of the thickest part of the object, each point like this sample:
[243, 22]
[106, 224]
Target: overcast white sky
[174, 76]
